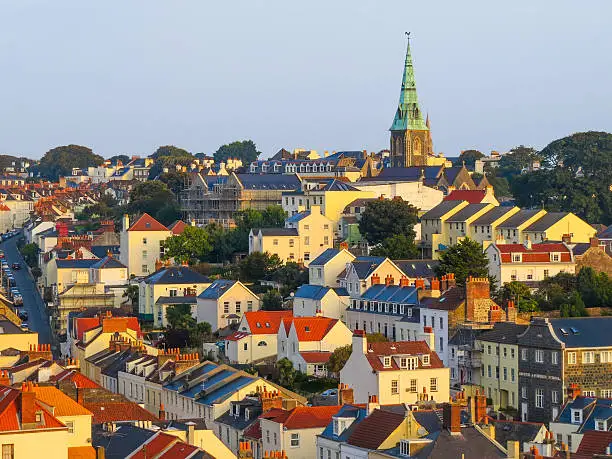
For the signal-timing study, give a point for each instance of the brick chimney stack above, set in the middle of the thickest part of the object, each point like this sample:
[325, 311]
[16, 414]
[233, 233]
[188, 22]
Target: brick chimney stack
[389, 280]
[451, 417]
[511, 313]
[269, 400]
[375, 279]
[404, 281]
[186, 361]
[5, 379]
[27, 405]
[244, 450]
[419, 283]
[162, 412]
[495, 314]
[346, 395]
[476, 288]
[573, 391]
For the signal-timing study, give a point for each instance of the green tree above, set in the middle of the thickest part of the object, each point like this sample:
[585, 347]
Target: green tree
[396, 247]
[131, 294]
[174, 180]
[273, 217]
[469, 157]
[339, 358]
[179, 317]
[286, 372]
[244, 150]
[169, 151]
[257, 266]
[272, 301]
[123, 158]
[192, 245]
[384, 218]
[528, 305]
[464, 259]
[574, 307]
[30, 254]
[594, 288]
[154, 198]
[61, 160]
[516, 160]
[199, 334]
[290, 276]
[514, 291]
[376, 338]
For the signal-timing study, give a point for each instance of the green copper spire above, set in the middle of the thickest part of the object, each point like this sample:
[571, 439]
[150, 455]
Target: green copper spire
[408, 115]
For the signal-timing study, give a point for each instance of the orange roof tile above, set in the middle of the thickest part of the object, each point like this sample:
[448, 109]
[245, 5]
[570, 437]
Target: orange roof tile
[378, 350]
[147, 223]
[313, 328]
[154, 446]
[266, 322]
[82, 452]
[315, 357]
[177, 227]
[308, 417]
[64, 405]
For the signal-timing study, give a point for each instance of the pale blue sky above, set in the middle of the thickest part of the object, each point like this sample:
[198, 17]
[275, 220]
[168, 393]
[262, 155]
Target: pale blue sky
[127, 76]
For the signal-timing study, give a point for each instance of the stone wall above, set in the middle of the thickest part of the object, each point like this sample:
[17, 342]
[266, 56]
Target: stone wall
[596, 258]
[590, 376]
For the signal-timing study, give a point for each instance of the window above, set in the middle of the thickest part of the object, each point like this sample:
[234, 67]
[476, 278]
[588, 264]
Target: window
[512, 352]
[238, 307]
[546, 274]
[226, 307]
[144, 240]
[600, 424]
[274, 241]
[523, 392]
[539, 356]
[539, 398]
[387, 361]
[512, 374]
[306, 240]
[505, 374]
[426, 359]
[554, 396]
[605, 393]
[413, 385]
[516, 257]
[554, 358]
[569, 442]
[489, 371]
[8, 451]
[144, 268]
[403, 362]
[605, 357]
[306, 256]
[295, 440]
[489, 349]
[571, 358]
[394, 387]
[433, 384]
[441, 345]
[576, 416]
[275, 439]
[588, 357]
[555, 257]
[144, 254]
[326, 240]
[441, 324]
[523, 354]
[505, 352]
[404, 448]
[249, 305]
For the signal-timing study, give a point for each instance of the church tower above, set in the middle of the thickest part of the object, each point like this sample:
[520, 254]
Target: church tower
[410, 137]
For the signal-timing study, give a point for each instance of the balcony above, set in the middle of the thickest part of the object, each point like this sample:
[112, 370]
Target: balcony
[474, 361]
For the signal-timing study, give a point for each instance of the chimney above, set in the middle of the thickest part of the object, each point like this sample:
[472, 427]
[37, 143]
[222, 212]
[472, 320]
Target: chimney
[450, 280]
[547, 447]
[511, 314]
[573, 391]
[488, 428]
[404, 281]
[375, 279]
[270, 400]
[108, 226]
[27, 405]
[594, 242]
[80, 395]
[162, 412]
[163, 355]
[419, 283]
[186, 361]
[567, 238]
[158, 264]
[100, 452]
[451, 418]
[190, 432]
[244, 450]
[479, 407]
[360, 342]
[389, 280]
[5, 379]
[345, 395]
[495, 314]
[428, 336]
[476, 288]
[126, 222]
[435, 288]
[372, 403]
[514, 449]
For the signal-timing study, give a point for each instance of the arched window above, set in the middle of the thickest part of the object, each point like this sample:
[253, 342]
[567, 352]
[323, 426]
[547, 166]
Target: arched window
[262, 343]
[417, 147]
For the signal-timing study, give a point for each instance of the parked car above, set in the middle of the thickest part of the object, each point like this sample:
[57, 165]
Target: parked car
[16, 266]
[330, 393]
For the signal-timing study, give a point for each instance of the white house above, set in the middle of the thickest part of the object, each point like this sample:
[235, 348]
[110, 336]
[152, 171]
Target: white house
[224, 302]
[325, 269]
[315, 300]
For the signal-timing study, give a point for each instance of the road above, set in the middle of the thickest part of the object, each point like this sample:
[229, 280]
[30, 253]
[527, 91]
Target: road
[38, 319]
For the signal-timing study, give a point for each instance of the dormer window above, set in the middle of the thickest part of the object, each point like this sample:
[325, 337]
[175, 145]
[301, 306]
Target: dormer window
[555, 256]
[39, 416]
[258, 325]
[576, 416]
[516, 257]
[600, 424]
[386, 362]
[425, 359]
[340, 425]
[404, 448]
[246, 414]
[403, 362]
[236, 410]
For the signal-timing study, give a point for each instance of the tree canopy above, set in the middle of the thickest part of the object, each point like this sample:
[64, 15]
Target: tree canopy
[469, 157]
[123, 158]
[256, 266]
[244, 150]
[192, 245]
[384, 218]
[60, 161]
[154, 198]
[464, 259]
[396, 247]
[171, 150]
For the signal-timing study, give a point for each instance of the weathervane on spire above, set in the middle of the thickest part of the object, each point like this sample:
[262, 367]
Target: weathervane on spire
[408, 35]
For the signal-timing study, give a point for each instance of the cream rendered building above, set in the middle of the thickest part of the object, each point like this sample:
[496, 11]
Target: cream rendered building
[224, 302]
[419, 195]
[141, 244]
[306, 235]
[327, 267]
[396, 372]
[363, 272]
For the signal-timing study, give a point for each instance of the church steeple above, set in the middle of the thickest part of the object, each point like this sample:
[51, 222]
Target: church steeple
[408, 114]
[410, 139]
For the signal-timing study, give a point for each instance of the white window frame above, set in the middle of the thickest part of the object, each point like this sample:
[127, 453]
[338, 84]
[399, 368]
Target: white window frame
[539, 398]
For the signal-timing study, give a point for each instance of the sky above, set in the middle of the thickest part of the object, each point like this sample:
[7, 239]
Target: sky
[126, 76]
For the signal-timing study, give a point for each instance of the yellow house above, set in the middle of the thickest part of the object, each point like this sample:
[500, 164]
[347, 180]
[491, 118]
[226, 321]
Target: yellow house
[306, 235]
[12, 336]
[141, 244]
[74, 416]
[499, 373]
[325, 269]
[332, 197]
[363, 272]
[224, 302]
[511, 229]
[459, 225]
[557, 226]
[164, 284]
[108, 271]
[484, 228]
[434, 231]
[63, 273]
[395, 372]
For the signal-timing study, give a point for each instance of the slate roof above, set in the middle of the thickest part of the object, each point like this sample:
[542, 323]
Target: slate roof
[465, 337]
[417, 268]
[470, 444]
[589, 331]
[276, 231]
[503, 332]
[593, 409]
[506, 431]
[364, 266]
[491, 216]
[545, 222]
[326, 256]
[441, 209]
[76, 264]
[217, 289]
[176, 275]
[108, 263]
[176, 300]
[606, 233]
[312, 292]
[449, 300]
[392, 294]
[375, 429]
[298, 217]
[269, 181]
[337, 185]
[347, 411]
[408, 174]
[518, 218]
[467, 212]
[101, 251]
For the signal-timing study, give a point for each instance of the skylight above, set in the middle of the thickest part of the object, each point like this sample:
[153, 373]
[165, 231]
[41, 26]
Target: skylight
[574, 330]
[564, 331]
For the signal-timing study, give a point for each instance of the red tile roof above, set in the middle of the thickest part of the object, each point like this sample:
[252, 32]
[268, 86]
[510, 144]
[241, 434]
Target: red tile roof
[539, 253]
[84, 324]
[375, 429]
[118, 411]
[253, 431]
[414, 348]
[309, 417]
[471, 196]
[82, 382]
[81, 452]
[147, 223]
[177, 227]
[313, 328]
[266, 322]
[154, 446]
[10, 412]
[179, 450]
[236, 336]
[62, 404]
[593, 442]
[316, 357]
